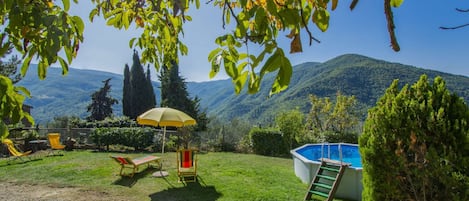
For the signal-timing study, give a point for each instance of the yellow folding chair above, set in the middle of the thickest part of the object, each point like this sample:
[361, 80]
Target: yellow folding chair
[55, 144]
[15, 153]
[187, 165]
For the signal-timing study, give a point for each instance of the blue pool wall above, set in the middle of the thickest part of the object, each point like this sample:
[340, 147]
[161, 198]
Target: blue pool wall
[305, 169]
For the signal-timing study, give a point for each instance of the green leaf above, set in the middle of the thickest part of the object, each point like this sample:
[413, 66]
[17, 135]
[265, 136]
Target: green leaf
[240, 81]
[25, 66]
[80, 26]
[396, 3]
[283, 76]
[254, 84]
[183, 49]
[272, 63]
[93, 13]
[214, 71]
[4, 130]
[321, 19]
[241, 66]
[64, 65]
[213, 53]
[24, 90]
[69, 54]
[111, 21]
[66, 4]
[126, 20]
[41, 70]
[230, 68]
[131, 42]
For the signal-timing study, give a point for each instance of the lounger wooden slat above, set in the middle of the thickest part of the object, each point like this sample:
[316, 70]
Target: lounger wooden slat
[134, 164]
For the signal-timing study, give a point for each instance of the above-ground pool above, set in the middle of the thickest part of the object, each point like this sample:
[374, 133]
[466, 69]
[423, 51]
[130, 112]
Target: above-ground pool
[306, 161]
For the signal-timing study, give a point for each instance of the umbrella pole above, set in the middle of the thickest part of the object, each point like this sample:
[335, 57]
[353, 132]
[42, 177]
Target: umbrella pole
[164, 137]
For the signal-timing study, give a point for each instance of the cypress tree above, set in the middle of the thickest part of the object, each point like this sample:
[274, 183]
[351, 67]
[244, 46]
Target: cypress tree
[174, 94]
[151, 91]
[126, 101]
[138, 87]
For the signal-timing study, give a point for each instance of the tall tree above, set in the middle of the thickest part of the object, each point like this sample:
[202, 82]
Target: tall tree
[126, 93]
[101, 103]
[9, 68]
[151, 91]
[336, 122]
[174, 94]
[415, 144]
[142, 97]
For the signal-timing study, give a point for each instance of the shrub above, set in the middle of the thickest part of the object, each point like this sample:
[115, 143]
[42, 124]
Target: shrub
[291, 124]
[347, 137]
[267, 142]
[414, 144]
[136, 137]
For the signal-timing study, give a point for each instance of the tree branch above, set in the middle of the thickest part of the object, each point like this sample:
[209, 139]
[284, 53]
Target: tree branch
[456, 27]
[353, 4]
[232, 12]
[390, 19]
[461, 10]
[311, 38]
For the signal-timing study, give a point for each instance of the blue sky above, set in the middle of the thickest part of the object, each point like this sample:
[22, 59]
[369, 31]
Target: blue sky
[362, 31]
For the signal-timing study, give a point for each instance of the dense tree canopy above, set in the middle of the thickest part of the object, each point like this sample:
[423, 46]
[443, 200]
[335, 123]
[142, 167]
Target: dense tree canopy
[174, 94]
[43, 29]
[138, 91]
[333, 121]
[101, 103]
[415, 144]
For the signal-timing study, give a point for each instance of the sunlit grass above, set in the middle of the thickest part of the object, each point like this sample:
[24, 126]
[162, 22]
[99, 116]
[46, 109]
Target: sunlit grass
[222, 176]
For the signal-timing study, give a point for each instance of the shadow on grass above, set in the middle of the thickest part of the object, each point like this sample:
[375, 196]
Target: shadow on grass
[18, 161]
[131, 181]
[190, 191]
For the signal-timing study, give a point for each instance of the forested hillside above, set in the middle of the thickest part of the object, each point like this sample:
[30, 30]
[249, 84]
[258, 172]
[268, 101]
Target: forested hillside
[69, 95]
[357, 75]
[364, 77]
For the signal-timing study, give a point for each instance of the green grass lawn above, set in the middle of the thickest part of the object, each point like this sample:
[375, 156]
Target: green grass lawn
[222, 176]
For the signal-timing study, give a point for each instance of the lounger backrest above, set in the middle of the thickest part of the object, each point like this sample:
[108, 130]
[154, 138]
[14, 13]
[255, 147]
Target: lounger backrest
[54, 140]
[187, 158]
[11, 147]
[122, 160]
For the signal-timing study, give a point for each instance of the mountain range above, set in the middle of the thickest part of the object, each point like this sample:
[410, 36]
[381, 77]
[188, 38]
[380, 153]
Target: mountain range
[364, 77]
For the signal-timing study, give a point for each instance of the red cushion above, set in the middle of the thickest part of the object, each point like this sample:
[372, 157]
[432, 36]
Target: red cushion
[122, 160]
[186, 159]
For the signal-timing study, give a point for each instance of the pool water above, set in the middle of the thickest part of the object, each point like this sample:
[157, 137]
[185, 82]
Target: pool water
[350, 153]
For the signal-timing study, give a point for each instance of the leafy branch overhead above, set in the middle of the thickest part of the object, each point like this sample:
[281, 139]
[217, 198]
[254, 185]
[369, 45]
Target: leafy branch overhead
[260, 23]
[257, 23]
[45, 30]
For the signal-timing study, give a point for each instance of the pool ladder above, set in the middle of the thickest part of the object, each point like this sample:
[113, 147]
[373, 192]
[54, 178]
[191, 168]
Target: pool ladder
[328, 175]
[329, 151]
[327, 179]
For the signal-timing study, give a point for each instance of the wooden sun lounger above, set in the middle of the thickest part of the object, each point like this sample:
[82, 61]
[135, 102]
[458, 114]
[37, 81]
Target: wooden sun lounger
[126, 162]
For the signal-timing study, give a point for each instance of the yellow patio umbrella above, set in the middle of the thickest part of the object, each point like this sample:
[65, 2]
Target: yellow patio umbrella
[164, 116]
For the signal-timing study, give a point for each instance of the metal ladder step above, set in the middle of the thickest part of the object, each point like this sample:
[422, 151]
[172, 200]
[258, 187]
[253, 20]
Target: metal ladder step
[320, 193]
[326, 186]
[326, 177]
[330, 168]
